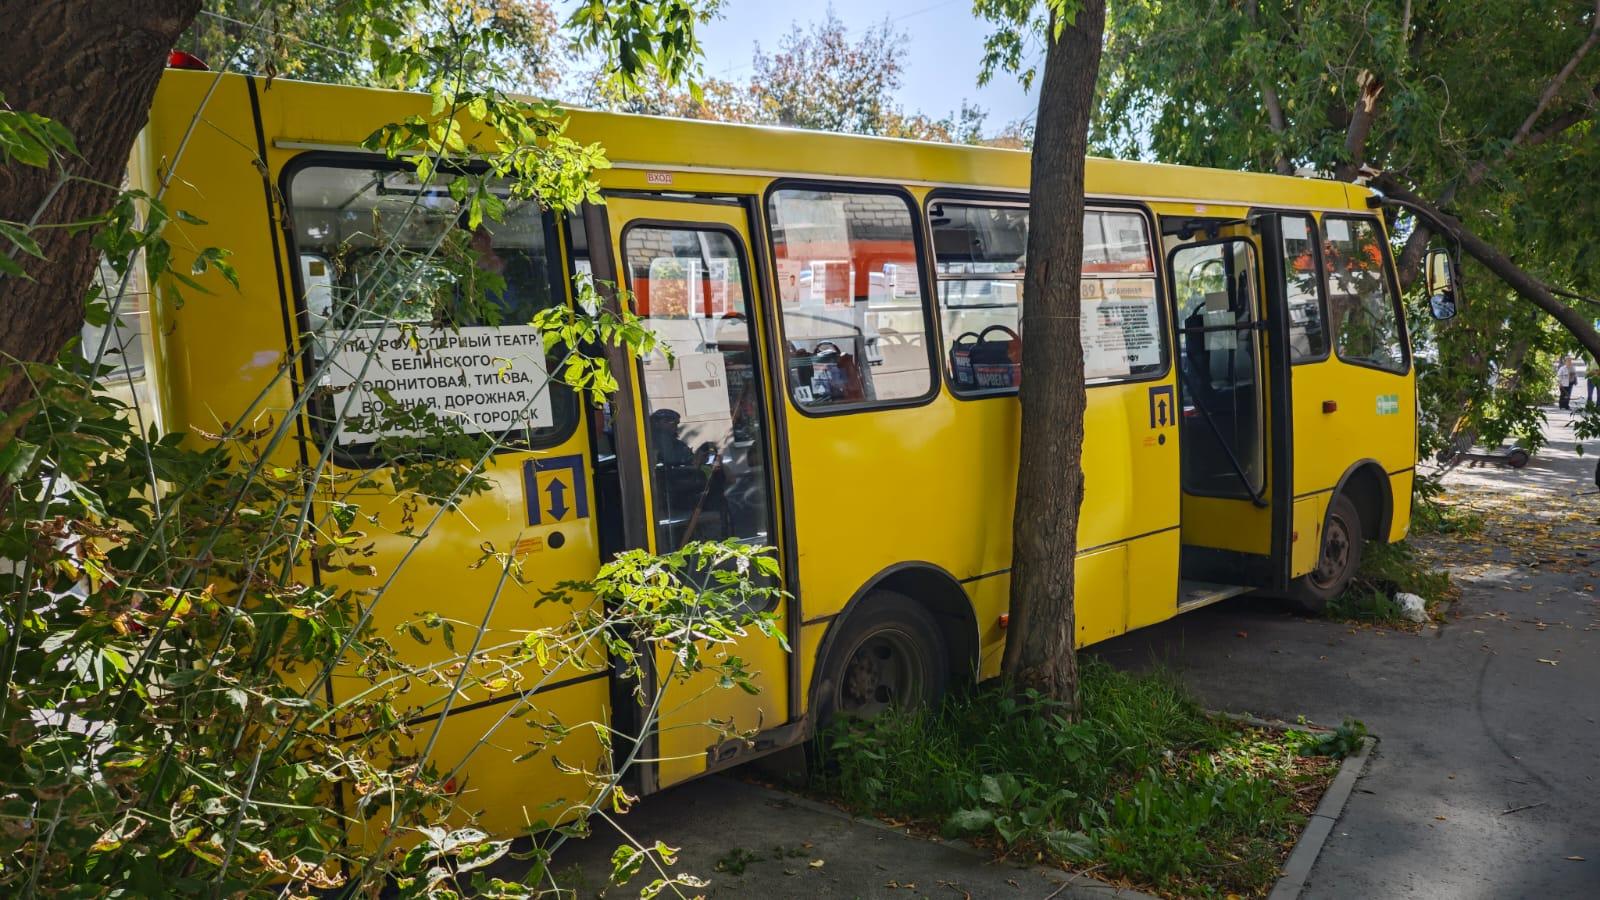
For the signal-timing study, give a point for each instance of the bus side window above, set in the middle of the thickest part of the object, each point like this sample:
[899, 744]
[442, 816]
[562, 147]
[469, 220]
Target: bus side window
[1362, 310]
[981, 261]
[850, 289]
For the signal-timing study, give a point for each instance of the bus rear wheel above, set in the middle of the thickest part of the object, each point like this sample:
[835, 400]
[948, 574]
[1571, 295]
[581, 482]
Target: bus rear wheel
[889, 654]
[1337, 561]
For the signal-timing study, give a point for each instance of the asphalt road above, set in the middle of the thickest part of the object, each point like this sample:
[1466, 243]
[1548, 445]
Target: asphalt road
[1486, 781]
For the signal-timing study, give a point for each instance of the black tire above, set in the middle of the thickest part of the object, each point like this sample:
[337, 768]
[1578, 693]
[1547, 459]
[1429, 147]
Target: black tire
[888, 652]
[1517, 458]
[1337, 560]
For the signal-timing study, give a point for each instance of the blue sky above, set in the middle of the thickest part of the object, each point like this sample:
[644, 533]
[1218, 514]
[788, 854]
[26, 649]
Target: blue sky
[944, 48]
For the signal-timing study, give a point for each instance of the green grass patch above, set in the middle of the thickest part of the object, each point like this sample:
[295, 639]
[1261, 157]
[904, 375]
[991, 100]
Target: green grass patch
[1387, 570]
[1144, 787]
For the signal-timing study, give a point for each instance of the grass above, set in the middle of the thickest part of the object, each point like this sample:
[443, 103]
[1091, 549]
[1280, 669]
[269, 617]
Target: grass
[1144, 787]
[1387, 570]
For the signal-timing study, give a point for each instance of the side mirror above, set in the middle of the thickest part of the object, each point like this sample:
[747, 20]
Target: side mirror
[1441, 281]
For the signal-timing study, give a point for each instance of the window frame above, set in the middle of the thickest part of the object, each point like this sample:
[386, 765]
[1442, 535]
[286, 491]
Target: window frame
[746, 283]
[919, 239]
[1001, 198]
[1314, 228]
[364, 455]
[1387, 263]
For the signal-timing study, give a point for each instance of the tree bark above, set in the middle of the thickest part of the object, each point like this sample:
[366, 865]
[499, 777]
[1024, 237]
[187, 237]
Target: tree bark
[1040, 648]
[93, 66]
[1518, 279]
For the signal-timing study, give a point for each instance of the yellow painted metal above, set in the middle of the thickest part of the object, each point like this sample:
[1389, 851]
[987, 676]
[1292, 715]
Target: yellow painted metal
[928, 485]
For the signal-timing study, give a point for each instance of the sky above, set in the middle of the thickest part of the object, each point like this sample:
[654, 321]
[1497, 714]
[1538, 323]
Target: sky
[945, 49]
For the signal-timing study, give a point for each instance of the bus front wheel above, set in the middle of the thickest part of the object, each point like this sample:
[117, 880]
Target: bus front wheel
[1337, 561]
[889, 653]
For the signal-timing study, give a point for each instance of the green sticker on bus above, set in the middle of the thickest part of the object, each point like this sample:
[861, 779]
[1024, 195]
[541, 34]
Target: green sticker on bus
[1388, 404]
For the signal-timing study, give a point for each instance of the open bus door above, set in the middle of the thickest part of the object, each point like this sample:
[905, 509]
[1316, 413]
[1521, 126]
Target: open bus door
[695, 450]
[1234, 417]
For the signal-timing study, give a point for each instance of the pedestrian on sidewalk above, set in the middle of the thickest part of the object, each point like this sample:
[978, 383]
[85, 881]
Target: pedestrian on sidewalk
[1591, 381]
[1566, 377]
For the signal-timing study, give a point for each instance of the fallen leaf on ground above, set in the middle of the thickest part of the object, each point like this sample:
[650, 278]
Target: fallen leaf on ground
[818, 863]
[1548, 662]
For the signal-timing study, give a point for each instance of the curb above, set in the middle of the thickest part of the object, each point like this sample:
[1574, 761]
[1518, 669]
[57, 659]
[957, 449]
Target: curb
[1306, 850]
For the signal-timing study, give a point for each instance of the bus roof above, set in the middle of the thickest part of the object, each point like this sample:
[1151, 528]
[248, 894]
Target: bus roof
[337, 117]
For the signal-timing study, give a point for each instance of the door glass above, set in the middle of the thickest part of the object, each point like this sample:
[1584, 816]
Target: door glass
[704, 428]
[1223, 442]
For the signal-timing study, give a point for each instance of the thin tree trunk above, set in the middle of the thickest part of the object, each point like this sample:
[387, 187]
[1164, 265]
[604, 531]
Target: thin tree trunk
[91, 65]
[1040, 648]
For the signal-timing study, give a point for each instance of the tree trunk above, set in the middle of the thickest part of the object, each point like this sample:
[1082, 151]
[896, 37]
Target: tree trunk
[91, 65]
[1040, 650]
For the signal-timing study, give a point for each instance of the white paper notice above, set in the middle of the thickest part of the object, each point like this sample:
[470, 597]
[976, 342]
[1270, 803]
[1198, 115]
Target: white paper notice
[1121, 327]
[486, 378]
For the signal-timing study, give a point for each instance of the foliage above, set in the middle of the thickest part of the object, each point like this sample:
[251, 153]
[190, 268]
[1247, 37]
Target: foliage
[819, 77]
[1343, 741]
[166, 728]
[1144, 783]
[1487, 106]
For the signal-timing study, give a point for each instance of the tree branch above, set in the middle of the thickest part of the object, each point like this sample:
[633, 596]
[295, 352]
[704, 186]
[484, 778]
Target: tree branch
[1362, 118]
[1525, 135]
[1525, 284]
[1269, 98]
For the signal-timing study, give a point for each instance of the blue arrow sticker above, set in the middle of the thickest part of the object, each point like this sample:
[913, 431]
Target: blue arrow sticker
[554, 490]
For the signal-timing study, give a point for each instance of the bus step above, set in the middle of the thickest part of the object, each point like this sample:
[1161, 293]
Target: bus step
[1195, 594]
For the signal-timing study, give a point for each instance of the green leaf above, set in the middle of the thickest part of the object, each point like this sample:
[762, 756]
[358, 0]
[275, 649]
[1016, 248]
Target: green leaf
[965, 822]
[15, 459]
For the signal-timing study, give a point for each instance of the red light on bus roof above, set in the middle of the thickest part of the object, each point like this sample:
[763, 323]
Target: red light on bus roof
[179, 59]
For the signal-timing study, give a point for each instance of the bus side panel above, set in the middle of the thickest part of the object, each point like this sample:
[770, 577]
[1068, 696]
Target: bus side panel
[500, 790]
[991, 599]
[216, 354]
[1100, 594]
[1400, 484]
[1153, 578]
[1309, 512]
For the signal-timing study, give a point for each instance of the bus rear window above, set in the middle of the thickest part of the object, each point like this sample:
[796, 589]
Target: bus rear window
[406, 307]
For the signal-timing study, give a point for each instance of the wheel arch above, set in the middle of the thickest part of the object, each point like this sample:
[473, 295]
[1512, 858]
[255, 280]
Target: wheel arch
[1366, 483]
[930, 586]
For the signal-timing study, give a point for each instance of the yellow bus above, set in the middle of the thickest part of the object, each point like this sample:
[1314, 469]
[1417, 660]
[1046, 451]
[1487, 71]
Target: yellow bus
[843, 315]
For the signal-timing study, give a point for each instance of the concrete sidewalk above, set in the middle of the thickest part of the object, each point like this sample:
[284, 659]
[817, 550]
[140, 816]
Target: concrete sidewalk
[1486, 782]
[782, 846]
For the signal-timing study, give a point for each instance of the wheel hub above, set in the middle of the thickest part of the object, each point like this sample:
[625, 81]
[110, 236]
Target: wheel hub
[1335, 554]
[881, 673]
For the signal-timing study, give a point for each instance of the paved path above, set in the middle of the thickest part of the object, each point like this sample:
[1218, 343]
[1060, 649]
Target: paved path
[1487, 777]
[786, 847]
